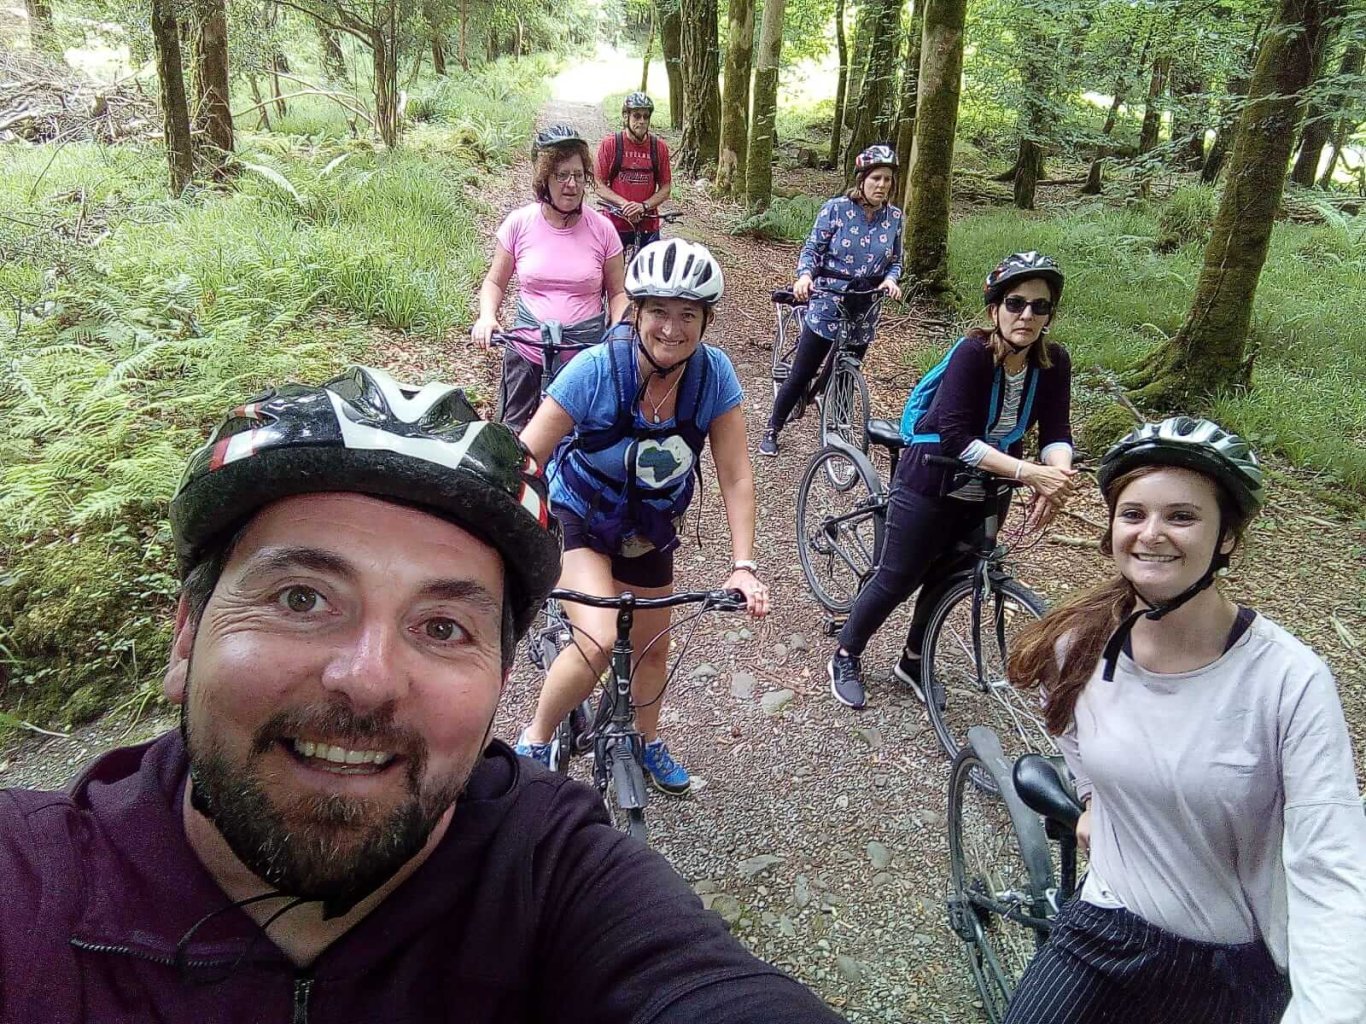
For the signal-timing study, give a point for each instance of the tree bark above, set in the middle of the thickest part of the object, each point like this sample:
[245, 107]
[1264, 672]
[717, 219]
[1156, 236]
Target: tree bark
[438, 55]
[730, 169]
[1039, 72]
[464, 35]
[1207, 354]
[1352, 60]
[871, 118]
[837, 128]
[174, 108]
[213, 115]
[1028, 171]
[931, 162]
[701, 143]
[759, 172]
[1314, 137]
[333, 59]
[1152, 113]
[1094, 174]
[910, 86]
[1094, 180]
[858, 59]
[671, 44]
[649, 52]
[1190, 118]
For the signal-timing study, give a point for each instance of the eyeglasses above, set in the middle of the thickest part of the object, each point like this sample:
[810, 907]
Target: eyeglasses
[565, 177]
[1017, 303]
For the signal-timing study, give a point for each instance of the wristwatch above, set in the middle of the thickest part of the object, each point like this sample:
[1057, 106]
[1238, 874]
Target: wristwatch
[748, 564]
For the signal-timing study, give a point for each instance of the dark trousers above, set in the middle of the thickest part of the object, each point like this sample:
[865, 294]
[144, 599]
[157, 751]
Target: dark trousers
[1112, 967]
[921, 536]
[806, 361]
[519, 393]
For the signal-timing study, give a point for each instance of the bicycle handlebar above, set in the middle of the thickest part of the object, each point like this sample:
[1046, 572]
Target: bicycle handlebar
[718, 600]
[668, 218]
[503, 337]
[979, 474]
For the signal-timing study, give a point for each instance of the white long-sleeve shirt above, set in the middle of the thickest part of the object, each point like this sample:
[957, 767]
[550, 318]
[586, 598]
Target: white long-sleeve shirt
[1225, 808]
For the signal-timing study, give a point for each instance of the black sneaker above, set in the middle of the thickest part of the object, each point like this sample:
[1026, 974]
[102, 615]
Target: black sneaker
[908, 671]
[769, 445]
[846, 680]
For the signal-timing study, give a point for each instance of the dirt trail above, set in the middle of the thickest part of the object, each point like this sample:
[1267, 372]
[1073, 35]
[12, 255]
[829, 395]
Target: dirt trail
[819, 832]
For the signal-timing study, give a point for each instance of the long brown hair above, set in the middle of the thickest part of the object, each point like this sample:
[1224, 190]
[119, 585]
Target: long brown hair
[1060, 651]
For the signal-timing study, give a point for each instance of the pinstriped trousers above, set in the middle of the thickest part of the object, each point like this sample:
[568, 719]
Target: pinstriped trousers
[1104, 966]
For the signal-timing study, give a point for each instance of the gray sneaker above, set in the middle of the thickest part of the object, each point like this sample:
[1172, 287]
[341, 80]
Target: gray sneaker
[846, 680]
[769, 445]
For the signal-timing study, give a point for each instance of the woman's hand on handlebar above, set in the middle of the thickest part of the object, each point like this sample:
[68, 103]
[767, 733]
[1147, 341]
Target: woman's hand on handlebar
[1052, 482]
[892, 289]
[482, 331]
[802, 289]
[756, 594]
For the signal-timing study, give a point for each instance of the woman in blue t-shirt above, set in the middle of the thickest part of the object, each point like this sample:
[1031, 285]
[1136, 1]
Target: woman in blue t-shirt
[638, 410]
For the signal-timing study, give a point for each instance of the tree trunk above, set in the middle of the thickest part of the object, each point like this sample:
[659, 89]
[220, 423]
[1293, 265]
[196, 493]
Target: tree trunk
[1352, 59]
[1028, 171]
[1207, 354]
[1190, 118]
[1039, 72]
[858, 59]
[174, 108]
[671, 45]
[837, 129]
[701, 143]
[759, 172]
[464, 35]
[910, 85]
[936, 120]
[385, 62]
[1152, 113]
[1094, 182]
[213, 115]
[333, 59]
[438, 54]
[262, 107]
[871, 118]
[730, 172]
[649, 52]
[1312, 140]
[40, 33]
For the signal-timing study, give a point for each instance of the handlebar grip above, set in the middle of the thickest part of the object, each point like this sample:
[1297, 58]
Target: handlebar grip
[728, 600]
[944, 460]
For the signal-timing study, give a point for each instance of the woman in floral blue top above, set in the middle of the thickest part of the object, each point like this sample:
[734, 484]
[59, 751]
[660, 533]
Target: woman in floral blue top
[855, 245]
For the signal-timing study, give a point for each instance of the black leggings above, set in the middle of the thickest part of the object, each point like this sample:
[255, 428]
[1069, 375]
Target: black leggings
[921, 536]
[806, 363]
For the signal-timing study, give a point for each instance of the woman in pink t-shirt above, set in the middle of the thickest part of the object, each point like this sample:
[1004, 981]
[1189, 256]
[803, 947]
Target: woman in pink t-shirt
[566, 256]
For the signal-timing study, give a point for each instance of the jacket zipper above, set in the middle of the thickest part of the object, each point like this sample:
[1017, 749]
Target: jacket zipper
[303, 985]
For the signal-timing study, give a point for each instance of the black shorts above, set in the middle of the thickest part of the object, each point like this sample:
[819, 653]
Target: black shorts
[519, 393]
[653, 569]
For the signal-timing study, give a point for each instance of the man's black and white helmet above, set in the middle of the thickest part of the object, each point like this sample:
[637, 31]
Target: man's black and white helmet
[675, 269]
[637, 101]
[364, 432]
[1189, 443]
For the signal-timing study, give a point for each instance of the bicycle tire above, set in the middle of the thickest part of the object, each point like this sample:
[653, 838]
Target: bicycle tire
[948, 659]
[625, 818]
[844, 411]
[837, 559]
[987, 873]
[785, 339]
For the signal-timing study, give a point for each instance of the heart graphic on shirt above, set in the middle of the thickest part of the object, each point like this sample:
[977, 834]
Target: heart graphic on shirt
[659, 462]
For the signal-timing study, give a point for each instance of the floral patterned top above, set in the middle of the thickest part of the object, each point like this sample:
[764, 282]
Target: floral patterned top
[848, 242]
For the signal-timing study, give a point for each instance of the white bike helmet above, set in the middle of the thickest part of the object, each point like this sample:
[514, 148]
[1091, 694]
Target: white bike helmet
[675, 269]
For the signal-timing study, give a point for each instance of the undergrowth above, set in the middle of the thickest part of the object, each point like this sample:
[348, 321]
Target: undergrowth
[118, 355]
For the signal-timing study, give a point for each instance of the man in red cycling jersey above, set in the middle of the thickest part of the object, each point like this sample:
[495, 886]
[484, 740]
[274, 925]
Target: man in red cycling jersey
[633, 173]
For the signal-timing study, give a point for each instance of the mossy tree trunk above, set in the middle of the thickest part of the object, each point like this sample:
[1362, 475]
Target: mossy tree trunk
[1313, 139]
[1207, 354]
[931, 162]
[858, 59]
[837, 127]
[1152, 113]
[701, 144]
[671, 43]
[1040, 72]
[174, 108]
[910, 87]
[649, 52]
[1352, 59]
[213, 115]
[730, 169]
[872, 122]
[759, 169]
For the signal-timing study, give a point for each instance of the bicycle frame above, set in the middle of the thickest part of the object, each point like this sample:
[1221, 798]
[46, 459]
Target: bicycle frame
[842, 351]
[629, 251]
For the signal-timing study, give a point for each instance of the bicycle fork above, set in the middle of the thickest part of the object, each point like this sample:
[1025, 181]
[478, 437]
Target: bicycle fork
[620, 745]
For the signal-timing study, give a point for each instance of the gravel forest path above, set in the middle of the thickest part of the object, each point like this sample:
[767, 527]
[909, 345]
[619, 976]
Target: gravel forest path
[818, 832]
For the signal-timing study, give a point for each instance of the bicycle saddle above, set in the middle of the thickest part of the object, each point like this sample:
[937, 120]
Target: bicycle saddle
[886, 433]
[1041, 786]
[784, 297]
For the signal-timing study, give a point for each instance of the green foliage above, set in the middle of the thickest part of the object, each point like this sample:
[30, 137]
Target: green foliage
[1123, 297]
[1186, 216]
[785, 219]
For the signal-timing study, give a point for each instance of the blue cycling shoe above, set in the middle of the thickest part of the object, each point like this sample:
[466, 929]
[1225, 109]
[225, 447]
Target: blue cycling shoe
[666, 773]
[538, 752]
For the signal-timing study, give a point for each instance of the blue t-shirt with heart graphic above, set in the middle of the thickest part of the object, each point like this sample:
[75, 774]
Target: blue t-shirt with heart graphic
[586, 390]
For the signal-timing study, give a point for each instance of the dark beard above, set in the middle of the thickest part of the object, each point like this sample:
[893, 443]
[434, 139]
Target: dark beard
[332, 848]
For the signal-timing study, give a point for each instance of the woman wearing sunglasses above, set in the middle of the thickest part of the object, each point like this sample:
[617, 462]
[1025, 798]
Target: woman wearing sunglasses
[996, 384]
[566, 256]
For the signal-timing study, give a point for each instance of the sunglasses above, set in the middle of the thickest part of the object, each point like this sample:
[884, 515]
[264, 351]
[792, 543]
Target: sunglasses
[564, 177]
[1017, 303]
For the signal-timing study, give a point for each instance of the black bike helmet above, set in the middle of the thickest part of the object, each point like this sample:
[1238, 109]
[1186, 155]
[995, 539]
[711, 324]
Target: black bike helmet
[879, 155]
[1022, 266]
[364, 432]
[1186, 443]
[637, 101]
[555, 135]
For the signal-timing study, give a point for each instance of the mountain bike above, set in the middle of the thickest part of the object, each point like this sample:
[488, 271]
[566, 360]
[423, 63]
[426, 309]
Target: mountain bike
[1004, 893]
[629, 249]
[609, 729]
[555, 351]
[973, 613]
[839, 387]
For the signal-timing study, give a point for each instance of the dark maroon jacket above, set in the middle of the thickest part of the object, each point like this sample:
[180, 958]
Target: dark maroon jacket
[532, 908]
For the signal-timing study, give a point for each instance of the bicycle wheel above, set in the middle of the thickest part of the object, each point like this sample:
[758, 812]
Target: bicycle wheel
[988, 882]
[624, 792]
[789, 331]
[950, 659]
[844, 412]
[839, 528]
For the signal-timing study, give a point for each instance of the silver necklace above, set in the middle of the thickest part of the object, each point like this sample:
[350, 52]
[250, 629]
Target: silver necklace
[656, 405]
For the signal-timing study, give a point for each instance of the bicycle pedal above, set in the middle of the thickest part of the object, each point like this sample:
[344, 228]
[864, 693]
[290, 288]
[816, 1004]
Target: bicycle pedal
[832, 624]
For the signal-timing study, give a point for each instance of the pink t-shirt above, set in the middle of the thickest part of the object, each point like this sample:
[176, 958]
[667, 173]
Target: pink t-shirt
[559, 270]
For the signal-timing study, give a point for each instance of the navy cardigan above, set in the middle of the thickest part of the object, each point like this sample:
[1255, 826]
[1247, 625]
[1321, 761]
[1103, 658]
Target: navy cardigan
[962, 411]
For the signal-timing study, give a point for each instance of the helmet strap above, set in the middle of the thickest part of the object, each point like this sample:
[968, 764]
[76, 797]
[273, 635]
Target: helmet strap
[1017, 349]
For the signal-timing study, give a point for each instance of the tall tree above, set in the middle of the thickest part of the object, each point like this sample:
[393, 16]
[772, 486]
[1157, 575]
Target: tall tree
[874, 111]
[842, 46]
[701, 143]
[865, 14]
[213, 115]
[1207, 353]
[333, 59]
[730, 169]
[936, 121]
[1316, 135]
[1039, 69]
[174, 108]
[1123, 82]
[1227, 121]
[1152, 113]
[1190, 116]
[671, 43]
[1351, 70]
[910, 86]
[759, 169]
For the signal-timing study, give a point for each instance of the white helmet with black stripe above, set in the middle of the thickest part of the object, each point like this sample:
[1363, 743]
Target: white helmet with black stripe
[675, 269]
